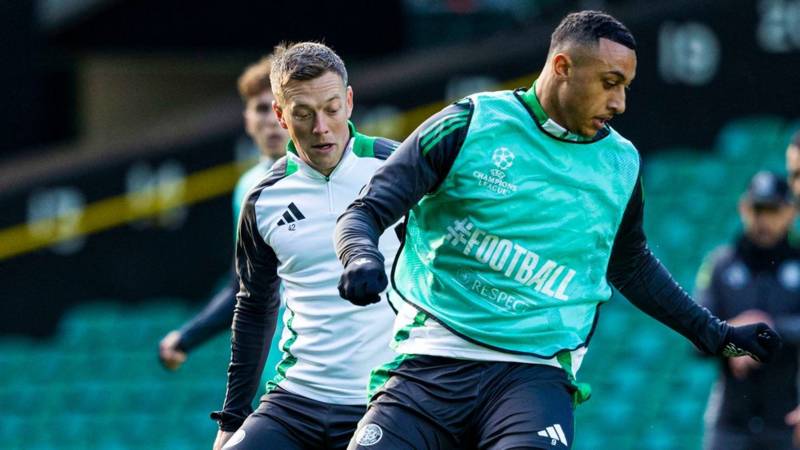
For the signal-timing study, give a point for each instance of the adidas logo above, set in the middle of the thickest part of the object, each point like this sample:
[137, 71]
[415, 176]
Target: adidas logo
[292, 214]
[555, 433]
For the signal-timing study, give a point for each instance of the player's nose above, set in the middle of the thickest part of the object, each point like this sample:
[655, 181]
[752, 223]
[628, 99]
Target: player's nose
[320, 125]
[616, 103]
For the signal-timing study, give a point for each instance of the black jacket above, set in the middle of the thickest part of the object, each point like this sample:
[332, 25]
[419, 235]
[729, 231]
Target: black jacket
[743, 277]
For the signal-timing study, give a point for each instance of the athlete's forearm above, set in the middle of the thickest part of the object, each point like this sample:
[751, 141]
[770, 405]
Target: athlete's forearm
[653, 290]
[643, 280]
[214, 318]
[357, 234]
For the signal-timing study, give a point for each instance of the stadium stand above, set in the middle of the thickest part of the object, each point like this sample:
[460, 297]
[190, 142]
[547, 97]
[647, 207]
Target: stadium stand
[97, 383]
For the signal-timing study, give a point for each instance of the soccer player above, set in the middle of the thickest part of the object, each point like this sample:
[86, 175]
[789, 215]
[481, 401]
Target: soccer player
[270, 139]
[286, 237]
[522, 207]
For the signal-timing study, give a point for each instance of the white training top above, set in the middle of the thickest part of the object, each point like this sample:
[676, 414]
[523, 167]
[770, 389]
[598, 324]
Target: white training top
[330, 345]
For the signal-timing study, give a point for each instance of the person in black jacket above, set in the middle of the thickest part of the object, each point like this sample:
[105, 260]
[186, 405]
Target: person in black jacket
[757, 279]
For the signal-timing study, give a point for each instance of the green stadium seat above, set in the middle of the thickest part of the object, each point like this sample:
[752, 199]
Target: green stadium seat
[747, 140]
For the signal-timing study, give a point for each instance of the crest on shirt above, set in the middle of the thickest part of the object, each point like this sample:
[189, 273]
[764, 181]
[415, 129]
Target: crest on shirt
[494, 180]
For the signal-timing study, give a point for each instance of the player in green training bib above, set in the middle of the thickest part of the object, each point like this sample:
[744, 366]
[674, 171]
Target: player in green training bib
[523, 208]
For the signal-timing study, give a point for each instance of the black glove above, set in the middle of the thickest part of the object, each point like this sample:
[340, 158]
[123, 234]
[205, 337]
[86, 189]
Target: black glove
[362, 281]
[758, 340]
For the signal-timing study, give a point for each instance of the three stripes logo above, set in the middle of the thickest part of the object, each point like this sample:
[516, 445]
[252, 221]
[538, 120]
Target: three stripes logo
[555, 433]
[292, 214]
[441, 128]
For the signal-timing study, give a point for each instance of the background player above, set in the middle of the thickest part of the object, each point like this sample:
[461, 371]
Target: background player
[270, 139]
[522, 208]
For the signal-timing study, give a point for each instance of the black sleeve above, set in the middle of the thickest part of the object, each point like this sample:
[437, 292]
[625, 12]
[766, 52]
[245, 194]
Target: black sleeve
[254, 318]
[415, 169]
[214, 318]
[643, 280]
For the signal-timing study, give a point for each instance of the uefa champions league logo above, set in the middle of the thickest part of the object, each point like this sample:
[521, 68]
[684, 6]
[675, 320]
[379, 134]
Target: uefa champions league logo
[503, 158]
[495, 180]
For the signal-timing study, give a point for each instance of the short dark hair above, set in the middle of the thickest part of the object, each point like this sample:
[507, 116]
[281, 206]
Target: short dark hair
[587, 27]
[303, 61]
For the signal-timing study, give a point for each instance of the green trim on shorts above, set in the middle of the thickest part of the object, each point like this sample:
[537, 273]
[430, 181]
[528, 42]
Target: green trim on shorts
[380, 375]
[583, 391]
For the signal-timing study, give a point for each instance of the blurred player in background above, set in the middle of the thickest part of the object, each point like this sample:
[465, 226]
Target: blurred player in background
[285, 237]
[522, 207]
[262, 127]
[757, 279]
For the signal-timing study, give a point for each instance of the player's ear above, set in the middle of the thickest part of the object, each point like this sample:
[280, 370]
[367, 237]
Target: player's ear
[279, 114]
[562, 64]
[349, 102]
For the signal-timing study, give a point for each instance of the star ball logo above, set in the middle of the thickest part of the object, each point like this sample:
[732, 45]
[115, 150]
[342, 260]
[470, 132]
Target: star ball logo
[503, 158]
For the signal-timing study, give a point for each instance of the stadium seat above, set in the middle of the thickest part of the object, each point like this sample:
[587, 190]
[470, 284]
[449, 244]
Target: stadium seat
[746, 140]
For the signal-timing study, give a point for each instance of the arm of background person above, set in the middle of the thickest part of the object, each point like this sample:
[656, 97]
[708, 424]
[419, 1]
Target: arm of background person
[214, 318]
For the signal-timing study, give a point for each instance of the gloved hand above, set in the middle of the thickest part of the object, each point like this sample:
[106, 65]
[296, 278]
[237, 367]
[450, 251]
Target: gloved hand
[757, 340]
[362, 281]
